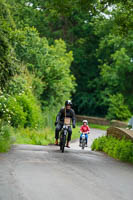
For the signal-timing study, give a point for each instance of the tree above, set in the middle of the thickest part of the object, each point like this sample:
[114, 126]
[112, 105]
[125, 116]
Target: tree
[49, 65]
[7, 58]
[95, 31]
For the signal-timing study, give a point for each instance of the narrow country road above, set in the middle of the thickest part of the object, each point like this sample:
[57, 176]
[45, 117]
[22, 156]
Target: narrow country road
[30, 172]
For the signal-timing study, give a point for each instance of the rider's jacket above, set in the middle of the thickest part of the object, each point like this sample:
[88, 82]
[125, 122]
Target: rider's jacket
[85, 129]
[65, 113]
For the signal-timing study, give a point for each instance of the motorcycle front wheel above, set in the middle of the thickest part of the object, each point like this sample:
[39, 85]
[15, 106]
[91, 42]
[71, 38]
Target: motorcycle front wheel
[83, 144]
[62, 142]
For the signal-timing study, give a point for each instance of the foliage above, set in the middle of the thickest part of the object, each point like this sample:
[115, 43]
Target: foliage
[119, 149]
[71, 21]
[20, 110]
[8, 63]
[5, 137]
[37, 137]
[100, 35]
[52, 81]
[117, 109]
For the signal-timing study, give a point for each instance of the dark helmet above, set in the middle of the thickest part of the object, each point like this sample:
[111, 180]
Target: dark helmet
[68, 102]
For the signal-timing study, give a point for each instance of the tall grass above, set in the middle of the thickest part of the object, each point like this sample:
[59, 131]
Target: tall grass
[37, 137]
[43, 136]
[5, 137]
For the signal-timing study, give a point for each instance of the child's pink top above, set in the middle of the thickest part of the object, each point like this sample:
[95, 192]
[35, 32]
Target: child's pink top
[84, 128]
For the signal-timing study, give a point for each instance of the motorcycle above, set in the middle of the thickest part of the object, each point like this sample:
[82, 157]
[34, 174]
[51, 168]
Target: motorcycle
[83, 141]
[63, 136]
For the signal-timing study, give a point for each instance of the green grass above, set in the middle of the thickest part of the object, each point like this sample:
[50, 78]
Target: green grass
[97, 126]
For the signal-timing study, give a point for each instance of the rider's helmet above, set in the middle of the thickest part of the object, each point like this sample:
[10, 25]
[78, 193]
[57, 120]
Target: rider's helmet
[85, 121]
[68, 102]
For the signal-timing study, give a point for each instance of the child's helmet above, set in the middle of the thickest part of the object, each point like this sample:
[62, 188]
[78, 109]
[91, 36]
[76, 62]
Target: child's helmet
[85, 121]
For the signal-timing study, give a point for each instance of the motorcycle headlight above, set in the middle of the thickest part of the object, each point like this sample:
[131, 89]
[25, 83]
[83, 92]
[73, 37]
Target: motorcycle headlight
[65, 127]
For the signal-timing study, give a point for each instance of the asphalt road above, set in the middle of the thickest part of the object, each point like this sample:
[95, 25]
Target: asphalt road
[30, 172]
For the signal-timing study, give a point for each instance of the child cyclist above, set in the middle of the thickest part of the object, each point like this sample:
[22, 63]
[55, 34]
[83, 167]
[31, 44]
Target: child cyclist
[84, 129]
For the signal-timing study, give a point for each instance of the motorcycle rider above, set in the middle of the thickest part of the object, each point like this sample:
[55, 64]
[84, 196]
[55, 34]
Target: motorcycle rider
[84, 129]
[65, 112]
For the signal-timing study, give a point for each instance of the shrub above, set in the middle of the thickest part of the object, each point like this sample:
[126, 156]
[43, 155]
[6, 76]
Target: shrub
[98, 144]
[11, 112]
[120, 149]
[117, 109]
[5, 137]
[21, 110]
[31, 109]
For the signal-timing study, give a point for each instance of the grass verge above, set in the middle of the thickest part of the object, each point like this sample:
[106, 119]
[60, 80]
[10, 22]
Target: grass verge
[39, 137]
[44, 136]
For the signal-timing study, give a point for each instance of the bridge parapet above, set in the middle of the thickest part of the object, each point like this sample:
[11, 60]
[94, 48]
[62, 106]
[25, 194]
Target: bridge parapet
[120, 133]
[101, 121]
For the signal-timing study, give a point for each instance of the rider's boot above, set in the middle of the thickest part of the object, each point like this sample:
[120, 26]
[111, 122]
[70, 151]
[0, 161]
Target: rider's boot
[56, 142]
[67, 145]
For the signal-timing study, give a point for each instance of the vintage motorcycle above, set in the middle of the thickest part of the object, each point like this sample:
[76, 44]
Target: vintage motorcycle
[83, 141]
[63, 136]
